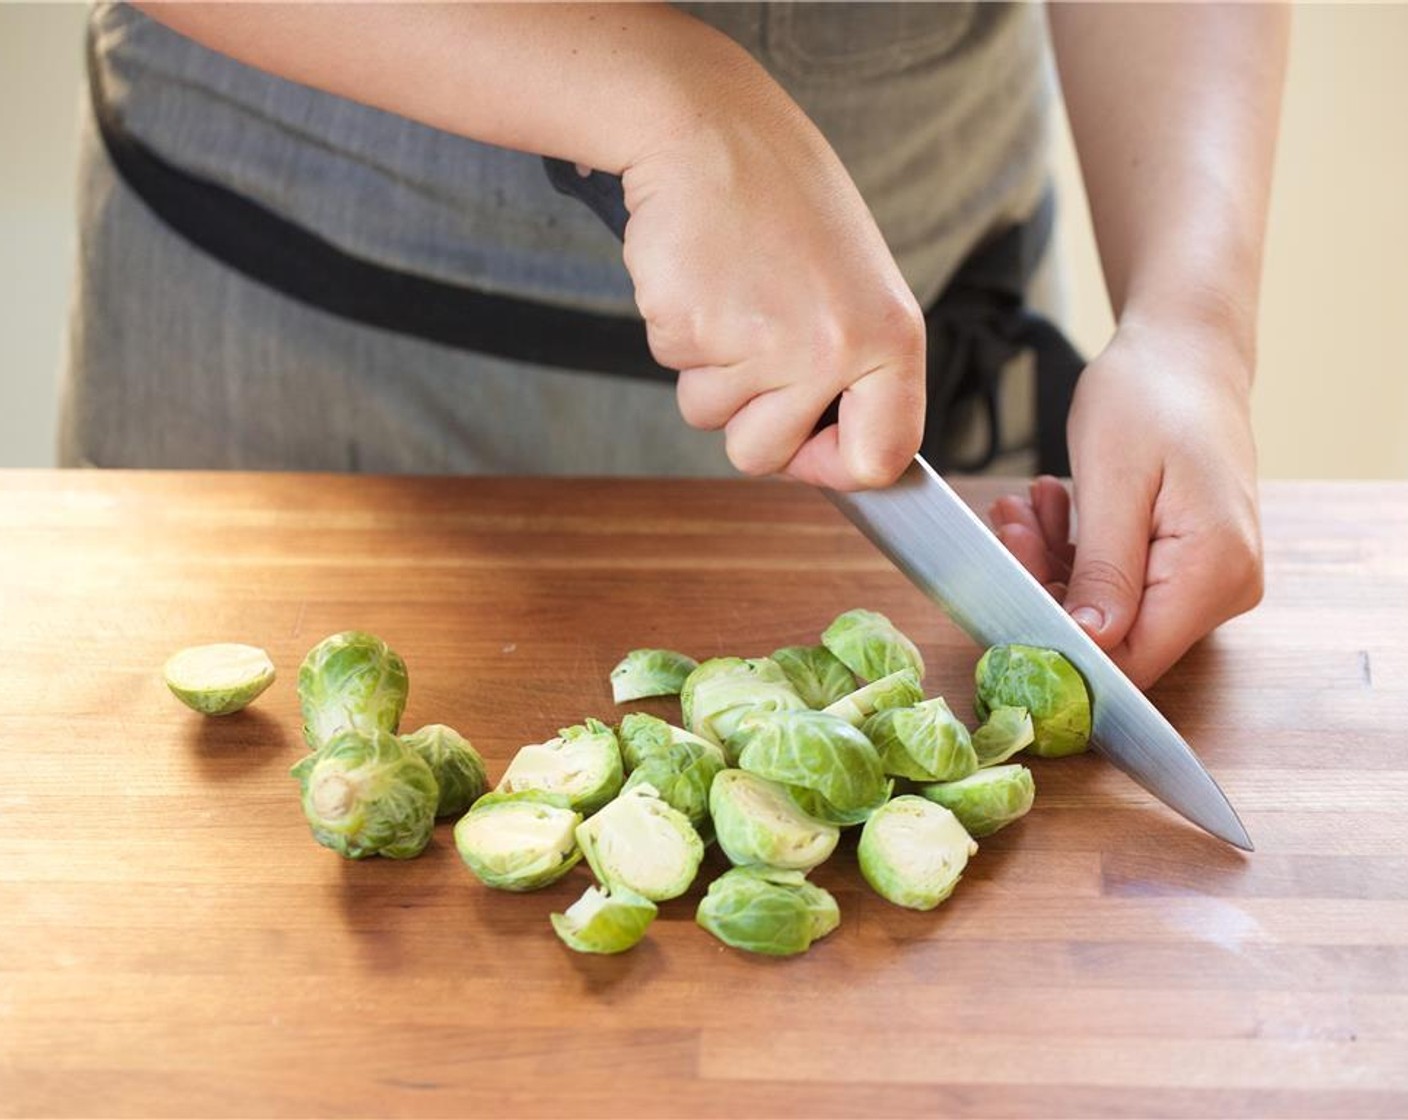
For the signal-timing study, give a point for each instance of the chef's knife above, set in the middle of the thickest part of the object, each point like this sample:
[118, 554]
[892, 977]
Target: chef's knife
[950, 555]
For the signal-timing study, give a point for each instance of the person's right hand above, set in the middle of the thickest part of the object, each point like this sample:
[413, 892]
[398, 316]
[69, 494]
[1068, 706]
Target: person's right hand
[764, 280]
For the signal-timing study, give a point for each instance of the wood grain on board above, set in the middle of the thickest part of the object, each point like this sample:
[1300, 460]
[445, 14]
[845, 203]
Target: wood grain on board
[173, 943]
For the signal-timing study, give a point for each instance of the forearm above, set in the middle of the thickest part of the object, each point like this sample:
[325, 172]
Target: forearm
[598, 84]
[1174, 111]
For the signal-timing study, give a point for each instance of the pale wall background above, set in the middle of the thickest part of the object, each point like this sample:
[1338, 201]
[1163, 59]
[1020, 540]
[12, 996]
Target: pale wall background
[1332, 392]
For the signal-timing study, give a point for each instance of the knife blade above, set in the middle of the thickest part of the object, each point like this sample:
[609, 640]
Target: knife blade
[931, 535]
[950, 555]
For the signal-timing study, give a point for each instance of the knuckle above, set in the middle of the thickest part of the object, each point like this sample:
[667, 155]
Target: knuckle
[1105, 575]
[880, 466]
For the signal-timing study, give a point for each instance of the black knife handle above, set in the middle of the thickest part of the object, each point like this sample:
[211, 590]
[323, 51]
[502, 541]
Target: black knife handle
[600, 190]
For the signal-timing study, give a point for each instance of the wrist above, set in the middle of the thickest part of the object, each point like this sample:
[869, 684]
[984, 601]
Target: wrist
[1213, 322]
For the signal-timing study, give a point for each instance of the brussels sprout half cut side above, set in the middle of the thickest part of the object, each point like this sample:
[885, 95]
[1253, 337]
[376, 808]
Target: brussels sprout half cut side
[913, 852]
[638, 842]
[519, 841]
[218, 679]
[582, 764]
[756, 822]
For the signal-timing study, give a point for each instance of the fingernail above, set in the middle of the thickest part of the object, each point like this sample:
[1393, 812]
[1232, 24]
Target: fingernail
[1089, 618]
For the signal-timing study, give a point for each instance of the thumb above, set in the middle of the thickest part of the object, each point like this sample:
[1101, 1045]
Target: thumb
[1112, 546]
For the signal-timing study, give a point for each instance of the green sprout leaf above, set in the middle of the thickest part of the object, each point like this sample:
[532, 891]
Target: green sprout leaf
[815, 673]
[1047, 685]
[604, 921]
[351, 681]
[457, 766]
[988, 800]
[1005, 732]
[723, 690]
[898, 690]
[650, 672]
[764, 910]
[924, 742]
[871, 646]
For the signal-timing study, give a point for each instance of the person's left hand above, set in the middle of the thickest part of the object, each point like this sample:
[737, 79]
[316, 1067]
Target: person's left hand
[1167, 543]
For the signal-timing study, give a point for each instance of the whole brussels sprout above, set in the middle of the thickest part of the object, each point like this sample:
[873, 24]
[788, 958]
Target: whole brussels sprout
[642, 735]
[898, 690]
[913, 852]
[871, 646]
[640, 843]
[758, 823]
[351, 681]
[764, 910]
[650, 672]
[457, 766]
[682, 775]
[365, 794]
[988, 800]
[220, 679]
[1005, 732]
[604, 921]
[583, 764]
[519, 841]
[815, 673]
[832, 770]
[1047, 685]
[925, 742]
[718, 694]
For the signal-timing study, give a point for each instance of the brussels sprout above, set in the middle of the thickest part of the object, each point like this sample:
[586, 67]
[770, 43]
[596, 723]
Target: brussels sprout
[1047, 685]
[682, 774]
[583, 763]
[832, 770]
[365, 794]
[764, 910]
[898, 690]
[457, 766]
[643, 735]
[718, 694]
[815, 673]
[1005, 732]
[871, 646]
[220, 679]
[650, 672]
[913, 852]
[926, 742]
[519, 841]
[758, 823]
[604, 921]
[351, 680]
[640, 843]
[988, 800]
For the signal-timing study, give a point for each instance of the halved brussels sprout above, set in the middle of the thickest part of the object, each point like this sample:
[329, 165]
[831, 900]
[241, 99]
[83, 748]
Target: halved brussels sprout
[219, 679]
[1047, 685]
[913, 852]
[650, 672]
[764, 910]
[718, 694]
[758, 823]
[604, 921]
[988, 800]
[682, 774]
[457, 766]
[351, 681]
[898, 690]
[815, 673]
[871, 646]
[583, 764]
[642, 735]
[1005, 732]
[365, 794]
[640, 843]
[519, 841]
[925, 742]
[833, 771]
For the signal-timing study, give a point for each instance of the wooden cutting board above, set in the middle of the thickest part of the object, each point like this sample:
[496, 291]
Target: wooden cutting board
[173, 943]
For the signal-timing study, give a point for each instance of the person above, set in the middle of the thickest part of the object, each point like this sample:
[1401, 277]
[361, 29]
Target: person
[801, 180]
